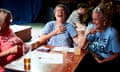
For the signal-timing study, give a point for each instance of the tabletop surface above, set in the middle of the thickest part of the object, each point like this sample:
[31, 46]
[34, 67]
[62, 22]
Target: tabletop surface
[52, 61]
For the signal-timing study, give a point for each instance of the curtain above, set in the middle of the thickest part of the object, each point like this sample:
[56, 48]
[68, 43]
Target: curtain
[23, 11]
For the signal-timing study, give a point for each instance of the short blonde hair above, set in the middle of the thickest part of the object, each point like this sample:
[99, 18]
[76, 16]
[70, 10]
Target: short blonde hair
[100, 10]
[103, 10]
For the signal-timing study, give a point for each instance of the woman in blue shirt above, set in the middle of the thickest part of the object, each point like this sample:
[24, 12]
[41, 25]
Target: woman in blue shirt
[103, 45]
[58, 32]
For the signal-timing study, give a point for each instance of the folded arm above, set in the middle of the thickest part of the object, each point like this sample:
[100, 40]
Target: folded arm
[111, 58]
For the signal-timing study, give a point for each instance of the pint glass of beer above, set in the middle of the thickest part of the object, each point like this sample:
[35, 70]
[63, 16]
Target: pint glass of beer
[27, 57]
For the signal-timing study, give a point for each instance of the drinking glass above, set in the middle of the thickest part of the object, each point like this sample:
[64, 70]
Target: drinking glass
[77, 51]
[27, 57]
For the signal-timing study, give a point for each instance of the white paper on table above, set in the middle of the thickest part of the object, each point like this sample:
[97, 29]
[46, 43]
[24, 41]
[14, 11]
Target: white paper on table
[64, 48]
[60, 48]
[42, 47]
[47, 58]
[71, 50]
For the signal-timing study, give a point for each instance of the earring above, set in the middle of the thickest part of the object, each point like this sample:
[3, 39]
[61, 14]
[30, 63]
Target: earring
[104, 23]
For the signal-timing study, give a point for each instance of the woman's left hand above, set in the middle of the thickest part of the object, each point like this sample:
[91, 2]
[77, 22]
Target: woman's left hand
[98, 60]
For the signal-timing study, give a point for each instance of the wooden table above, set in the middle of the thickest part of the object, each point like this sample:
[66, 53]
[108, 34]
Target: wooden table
[70, 63]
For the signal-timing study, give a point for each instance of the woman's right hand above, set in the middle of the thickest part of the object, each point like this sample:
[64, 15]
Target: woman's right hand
[14, 49]
[91, 31]
[60, 29]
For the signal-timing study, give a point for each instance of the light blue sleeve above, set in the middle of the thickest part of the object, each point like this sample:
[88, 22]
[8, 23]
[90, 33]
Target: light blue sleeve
[72, 30]
[115, 43]
[47, 28]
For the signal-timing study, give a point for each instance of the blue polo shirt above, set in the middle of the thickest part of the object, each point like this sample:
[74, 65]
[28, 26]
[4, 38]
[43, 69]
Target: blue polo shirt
[64, 39]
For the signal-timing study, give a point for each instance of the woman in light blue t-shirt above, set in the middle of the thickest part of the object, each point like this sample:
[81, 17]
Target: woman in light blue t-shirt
[103, 45]
[58, 32]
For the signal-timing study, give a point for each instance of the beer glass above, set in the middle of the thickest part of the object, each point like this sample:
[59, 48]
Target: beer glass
[27, 57]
